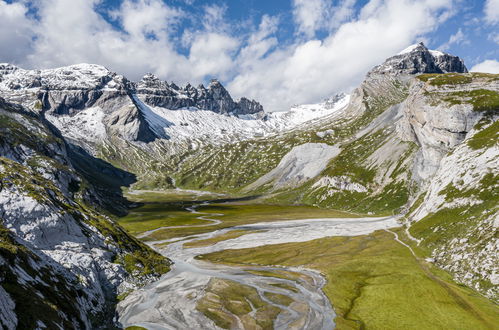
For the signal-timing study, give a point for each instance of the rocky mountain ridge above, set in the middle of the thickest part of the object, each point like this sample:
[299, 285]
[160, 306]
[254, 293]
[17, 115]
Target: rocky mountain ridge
[417, 59]
[91, 82]
[215, 97]
[66, 91]
[418, 137]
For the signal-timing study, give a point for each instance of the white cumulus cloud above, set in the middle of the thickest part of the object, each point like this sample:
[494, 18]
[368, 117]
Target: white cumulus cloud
[309, 15]
[457, 38]
[15, 32]
[311, 70]
[491, 10]
[488, 66]
[142, 36]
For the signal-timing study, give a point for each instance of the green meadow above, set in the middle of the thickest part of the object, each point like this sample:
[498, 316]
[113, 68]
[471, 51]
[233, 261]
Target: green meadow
[374, 282]
[166, 210]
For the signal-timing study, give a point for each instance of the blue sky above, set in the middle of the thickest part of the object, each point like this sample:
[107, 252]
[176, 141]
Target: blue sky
[278, 52]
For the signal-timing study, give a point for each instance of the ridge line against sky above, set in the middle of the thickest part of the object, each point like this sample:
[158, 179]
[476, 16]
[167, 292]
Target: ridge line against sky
[277, 52]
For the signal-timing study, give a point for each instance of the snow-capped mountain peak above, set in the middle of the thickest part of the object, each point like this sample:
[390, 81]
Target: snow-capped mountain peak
[73, 77]
[417, 59]
[414, 47]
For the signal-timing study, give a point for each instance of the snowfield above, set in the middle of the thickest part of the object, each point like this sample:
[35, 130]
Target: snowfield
[204, 125]
[85, 126]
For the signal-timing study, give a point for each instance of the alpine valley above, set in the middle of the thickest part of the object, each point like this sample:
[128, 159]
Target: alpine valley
[150, 205]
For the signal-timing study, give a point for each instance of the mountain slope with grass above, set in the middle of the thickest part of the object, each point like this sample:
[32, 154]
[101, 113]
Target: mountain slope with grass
[59, 245]
[417, 138]
[407, 139]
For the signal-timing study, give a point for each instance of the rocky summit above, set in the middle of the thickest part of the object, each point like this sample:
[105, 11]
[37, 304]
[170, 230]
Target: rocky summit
[382, 197]
[417, 59]
[155, 92]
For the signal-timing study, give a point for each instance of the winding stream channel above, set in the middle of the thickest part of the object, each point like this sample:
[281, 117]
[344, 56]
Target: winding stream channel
[170, 303]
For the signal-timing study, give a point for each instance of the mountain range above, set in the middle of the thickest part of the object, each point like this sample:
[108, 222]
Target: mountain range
[418, 137]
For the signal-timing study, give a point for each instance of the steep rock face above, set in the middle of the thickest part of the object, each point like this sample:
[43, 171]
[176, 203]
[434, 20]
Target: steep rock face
[440, 114]
[88, 102]
[453, 119]
[31, 287]
[419, 59]
[388, 83]
[44, 209]
[129, 123]
[155, 92]
[65, 93]
[246, 107]
[458, 216]
[63, 90]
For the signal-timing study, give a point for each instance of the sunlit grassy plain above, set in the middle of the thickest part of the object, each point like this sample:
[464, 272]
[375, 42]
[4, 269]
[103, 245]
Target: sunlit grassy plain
[373, 281]
[164, 210]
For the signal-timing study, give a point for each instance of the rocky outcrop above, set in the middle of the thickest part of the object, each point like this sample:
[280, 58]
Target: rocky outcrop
[63, 90]
[68, 92]
[299, 165]
[339, 183]
[438, 118]
[459, 213]
[457, 177]
[129, 123]
[216, 98]
[31, 287]
[418, 59]
[48, 210]
[248, 107]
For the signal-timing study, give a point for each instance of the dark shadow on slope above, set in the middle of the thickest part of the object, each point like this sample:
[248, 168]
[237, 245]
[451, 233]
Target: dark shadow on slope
[105, 178]
[201, 201]
[155, 123]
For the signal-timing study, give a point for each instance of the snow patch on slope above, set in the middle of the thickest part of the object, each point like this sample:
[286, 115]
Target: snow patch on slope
[301, 164]
[85, 126]
[193, 123]
[204, 125]
[78, 76]
[408, 49]
[436, 53]
[300, 114]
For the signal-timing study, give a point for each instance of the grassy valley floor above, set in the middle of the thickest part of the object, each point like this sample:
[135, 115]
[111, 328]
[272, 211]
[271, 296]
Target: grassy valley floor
[169, 209]
[373, 281]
